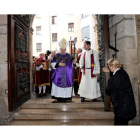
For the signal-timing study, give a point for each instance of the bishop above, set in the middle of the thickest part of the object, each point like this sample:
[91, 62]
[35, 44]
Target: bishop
[62, 76]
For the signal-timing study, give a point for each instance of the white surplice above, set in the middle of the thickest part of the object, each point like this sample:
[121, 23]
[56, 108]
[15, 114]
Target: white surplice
[89, 87]
[59, 92]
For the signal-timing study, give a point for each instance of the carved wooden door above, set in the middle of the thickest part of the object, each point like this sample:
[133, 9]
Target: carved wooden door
[103, 42]
[18, 61]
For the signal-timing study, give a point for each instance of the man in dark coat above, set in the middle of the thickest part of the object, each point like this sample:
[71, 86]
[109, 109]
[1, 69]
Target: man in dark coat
[120, 89]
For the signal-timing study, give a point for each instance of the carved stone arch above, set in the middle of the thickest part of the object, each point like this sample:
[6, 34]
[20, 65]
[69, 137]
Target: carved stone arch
[95, 31]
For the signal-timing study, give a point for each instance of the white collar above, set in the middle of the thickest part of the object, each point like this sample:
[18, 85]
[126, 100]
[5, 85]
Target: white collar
[88, 49]
[79, 54]
[62, 54]
[115, 71]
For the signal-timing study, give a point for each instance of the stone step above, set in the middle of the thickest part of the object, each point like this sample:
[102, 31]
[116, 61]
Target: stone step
[59, 103]
[84, 106]
[62, 116]
[63, 122]
[63, 111]
[50, 101]
[48, 112]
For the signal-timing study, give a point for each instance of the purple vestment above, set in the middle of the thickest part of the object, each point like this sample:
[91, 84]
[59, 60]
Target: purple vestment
[62, 76]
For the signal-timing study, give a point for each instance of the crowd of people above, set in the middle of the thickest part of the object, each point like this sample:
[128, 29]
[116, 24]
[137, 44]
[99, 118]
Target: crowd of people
[43, 70]
[77, 73]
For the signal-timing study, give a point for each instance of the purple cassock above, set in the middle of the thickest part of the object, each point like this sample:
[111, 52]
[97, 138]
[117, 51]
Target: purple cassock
[62, 76]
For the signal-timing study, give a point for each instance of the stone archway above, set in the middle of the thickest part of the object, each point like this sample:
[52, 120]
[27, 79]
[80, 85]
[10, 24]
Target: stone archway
[95, 31]
[121, 28]
[33, 95]
[98, 46]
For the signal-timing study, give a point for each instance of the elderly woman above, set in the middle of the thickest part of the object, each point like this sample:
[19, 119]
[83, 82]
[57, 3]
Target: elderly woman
[120, 89]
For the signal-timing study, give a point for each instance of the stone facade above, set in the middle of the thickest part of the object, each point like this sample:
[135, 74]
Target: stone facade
[126, 43]
[4, 113]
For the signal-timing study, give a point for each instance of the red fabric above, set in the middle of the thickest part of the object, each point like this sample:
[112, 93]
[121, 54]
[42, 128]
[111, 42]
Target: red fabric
[92, 68]
[42, 77]
[92, 63]
[84, 56]
[78, 58]
[79, 70]
[75, 74]
[39, 60]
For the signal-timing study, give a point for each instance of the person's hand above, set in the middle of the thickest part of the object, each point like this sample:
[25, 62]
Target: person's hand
[62, 64]
[74, 62]
[82, 68]
[96, 74]
[105, 69]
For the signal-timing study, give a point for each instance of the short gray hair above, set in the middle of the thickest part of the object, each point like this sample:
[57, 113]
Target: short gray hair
[79, 49]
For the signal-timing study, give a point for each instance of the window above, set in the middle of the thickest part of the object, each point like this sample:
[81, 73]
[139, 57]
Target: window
[39, 47]
[38, 16]
[38, 30]
[54, 37]
[85, 15]
[86, 32]
[54, 19]
[70, 27]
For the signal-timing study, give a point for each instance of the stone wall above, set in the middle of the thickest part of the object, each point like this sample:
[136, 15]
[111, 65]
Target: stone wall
[125, 27]
[4, 113]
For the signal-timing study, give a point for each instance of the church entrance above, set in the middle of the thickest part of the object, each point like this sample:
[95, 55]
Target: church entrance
[20, 61]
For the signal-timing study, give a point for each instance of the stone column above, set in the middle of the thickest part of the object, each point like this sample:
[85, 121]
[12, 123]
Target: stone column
[4, 111]
[95, 30]
[137, 21]
[96, 37]
[33, 95]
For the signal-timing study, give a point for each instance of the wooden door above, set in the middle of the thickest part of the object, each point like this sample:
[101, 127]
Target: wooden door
[103, 43]
[18, 61]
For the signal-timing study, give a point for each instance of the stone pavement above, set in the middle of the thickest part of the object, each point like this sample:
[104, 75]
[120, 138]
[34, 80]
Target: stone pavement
[46, 111]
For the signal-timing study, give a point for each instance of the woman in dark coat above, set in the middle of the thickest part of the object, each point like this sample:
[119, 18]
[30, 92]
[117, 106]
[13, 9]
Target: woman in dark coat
[120, 89]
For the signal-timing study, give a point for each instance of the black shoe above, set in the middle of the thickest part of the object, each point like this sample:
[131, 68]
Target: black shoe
[45, 94]
[64, 100]
[82, 99]
[58, 100]
[40, 95]
[94, 100]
